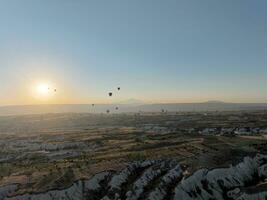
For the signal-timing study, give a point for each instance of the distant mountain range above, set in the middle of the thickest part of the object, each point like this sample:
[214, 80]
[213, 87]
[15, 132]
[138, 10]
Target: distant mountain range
[130, 106]
[132, 101]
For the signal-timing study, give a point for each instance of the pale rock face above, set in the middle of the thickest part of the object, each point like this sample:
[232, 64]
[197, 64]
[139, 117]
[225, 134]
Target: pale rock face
[171, 177]
[262, 170]
[219, 180]
[118, 180]
[139, 185]
[234, 193]
[164, 180]
[93, 183]
[7, 190]
[190, 188]
[148, 176]
[258, 196]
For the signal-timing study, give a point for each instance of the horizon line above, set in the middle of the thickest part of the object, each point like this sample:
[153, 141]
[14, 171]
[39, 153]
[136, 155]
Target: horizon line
[144, 103]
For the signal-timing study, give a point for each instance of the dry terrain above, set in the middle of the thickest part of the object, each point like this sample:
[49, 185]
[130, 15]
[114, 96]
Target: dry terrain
[39, 153]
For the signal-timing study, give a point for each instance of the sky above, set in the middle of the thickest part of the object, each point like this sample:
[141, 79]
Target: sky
[157, 51]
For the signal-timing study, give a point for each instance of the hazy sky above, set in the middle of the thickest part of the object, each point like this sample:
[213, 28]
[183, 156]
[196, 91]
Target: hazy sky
[156, 50]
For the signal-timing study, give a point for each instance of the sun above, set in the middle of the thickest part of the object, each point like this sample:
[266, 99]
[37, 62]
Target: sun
[43, 89]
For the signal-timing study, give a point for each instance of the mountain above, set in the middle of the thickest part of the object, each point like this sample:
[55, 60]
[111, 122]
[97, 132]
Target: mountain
[215, 102]
[131, 105]
[132, 102]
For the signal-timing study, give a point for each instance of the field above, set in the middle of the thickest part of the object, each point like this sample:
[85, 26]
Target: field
[51, 151]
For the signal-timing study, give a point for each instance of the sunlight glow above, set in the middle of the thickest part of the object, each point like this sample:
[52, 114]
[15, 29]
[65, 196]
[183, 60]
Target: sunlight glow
[43, 89]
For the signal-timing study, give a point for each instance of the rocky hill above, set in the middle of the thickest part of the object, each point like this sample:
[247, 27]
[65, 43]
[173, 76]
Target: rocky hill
[163, 180]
